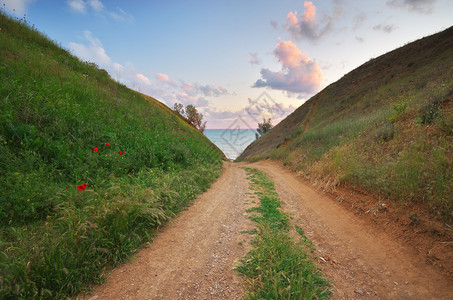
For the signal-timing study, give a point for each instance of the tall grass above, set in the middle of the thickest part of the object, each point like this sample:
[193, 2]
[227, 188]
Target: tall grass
[55, 111]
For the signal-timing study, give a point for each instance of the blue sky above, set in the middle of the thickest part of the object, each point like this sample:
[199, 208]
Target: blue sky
[233, 60]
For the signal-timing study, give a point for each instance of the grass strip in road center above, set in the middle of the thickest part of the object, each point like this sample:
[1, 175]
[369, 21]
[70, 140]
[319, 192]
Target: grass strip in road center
[279, 266]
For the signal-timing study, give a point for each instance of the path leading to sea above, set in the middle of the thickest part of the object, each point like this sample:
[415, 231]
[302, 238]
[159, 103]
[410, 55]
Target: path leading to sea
[194, 256]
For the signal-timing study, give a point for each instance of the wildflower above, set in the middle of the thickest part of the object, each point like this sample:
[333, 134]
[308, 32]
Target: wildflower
[182, 137]
[107, 144]
[82, 187]
[96, 150]
[121, 153]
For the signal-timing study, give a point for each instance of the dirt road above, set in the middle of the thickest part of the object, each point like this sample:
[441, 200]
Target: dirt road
[193, 257]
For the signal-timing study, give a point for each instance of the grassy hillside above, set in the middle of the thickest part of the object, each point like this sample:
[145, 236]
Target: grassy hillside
[88, 167]
[386, 126]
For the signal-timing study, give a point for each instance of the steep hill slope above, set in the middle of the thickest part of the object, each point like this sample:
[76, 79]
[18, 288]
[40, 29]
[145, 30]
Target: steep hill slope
[386, 126]
[88, 167]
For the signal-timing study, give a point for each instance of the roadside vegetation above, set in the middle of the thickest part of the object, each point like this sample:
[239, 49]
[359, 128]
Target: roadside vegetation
[88, 168]
[191, 115]
[279, 266]
[386, 127]
[263, 127]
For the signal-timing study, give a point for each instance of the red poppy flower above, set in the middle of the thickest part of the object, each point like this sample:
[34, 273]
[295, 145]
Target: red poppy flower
[82, 187]
[182, 137]
[107, 144]
[121, 153]
[96, 150]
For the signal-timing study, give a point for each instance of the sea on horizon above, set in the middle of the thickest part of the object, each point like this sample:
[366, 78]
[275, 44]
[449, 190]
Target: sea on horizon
[232, 142]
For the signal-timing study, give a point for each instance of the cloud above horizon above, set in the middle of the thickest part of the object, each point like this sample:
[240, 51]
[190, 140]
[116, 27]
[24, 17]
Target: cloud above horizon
[17, 7]
[299, 74]
[385, 28]
[82, 6]
[308, 26]
[143, 78]
[254, 59]
[93, 51]
[207, 90]
[247, 116]
[162, 87]
[420, 6]
[163, 77]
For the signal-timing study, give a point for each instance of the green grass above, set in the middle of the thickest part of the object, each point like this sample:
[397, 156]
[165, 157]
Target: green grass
[278, 267]
[56, 240]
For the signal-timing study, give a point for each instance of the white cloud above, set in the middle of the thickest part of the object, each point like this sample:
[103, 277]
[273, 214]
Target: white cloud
[121, 15]
[78, 6]
[206, 90]
[96, 5]
[17, 7]
[93, 52]
[81, 6]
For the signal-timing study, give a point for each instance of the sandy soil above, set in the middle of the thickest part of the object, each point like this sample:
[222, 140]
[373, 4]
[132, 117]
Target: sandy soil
[194, 256]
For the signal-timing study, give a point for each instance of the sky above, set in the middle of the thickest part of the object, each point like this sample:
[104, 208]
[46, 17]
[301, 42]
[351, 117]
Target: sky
[236, 61]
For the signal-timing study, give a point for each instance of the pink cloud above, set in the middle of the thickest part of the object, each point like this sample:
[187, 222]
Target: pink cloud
[187, 87]
[186, 99]
[143, 78]
[292, 18]
[309, 15]
[299, 74]
[206, 90]
[289, 55]
[163, 77]
[308, 26]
